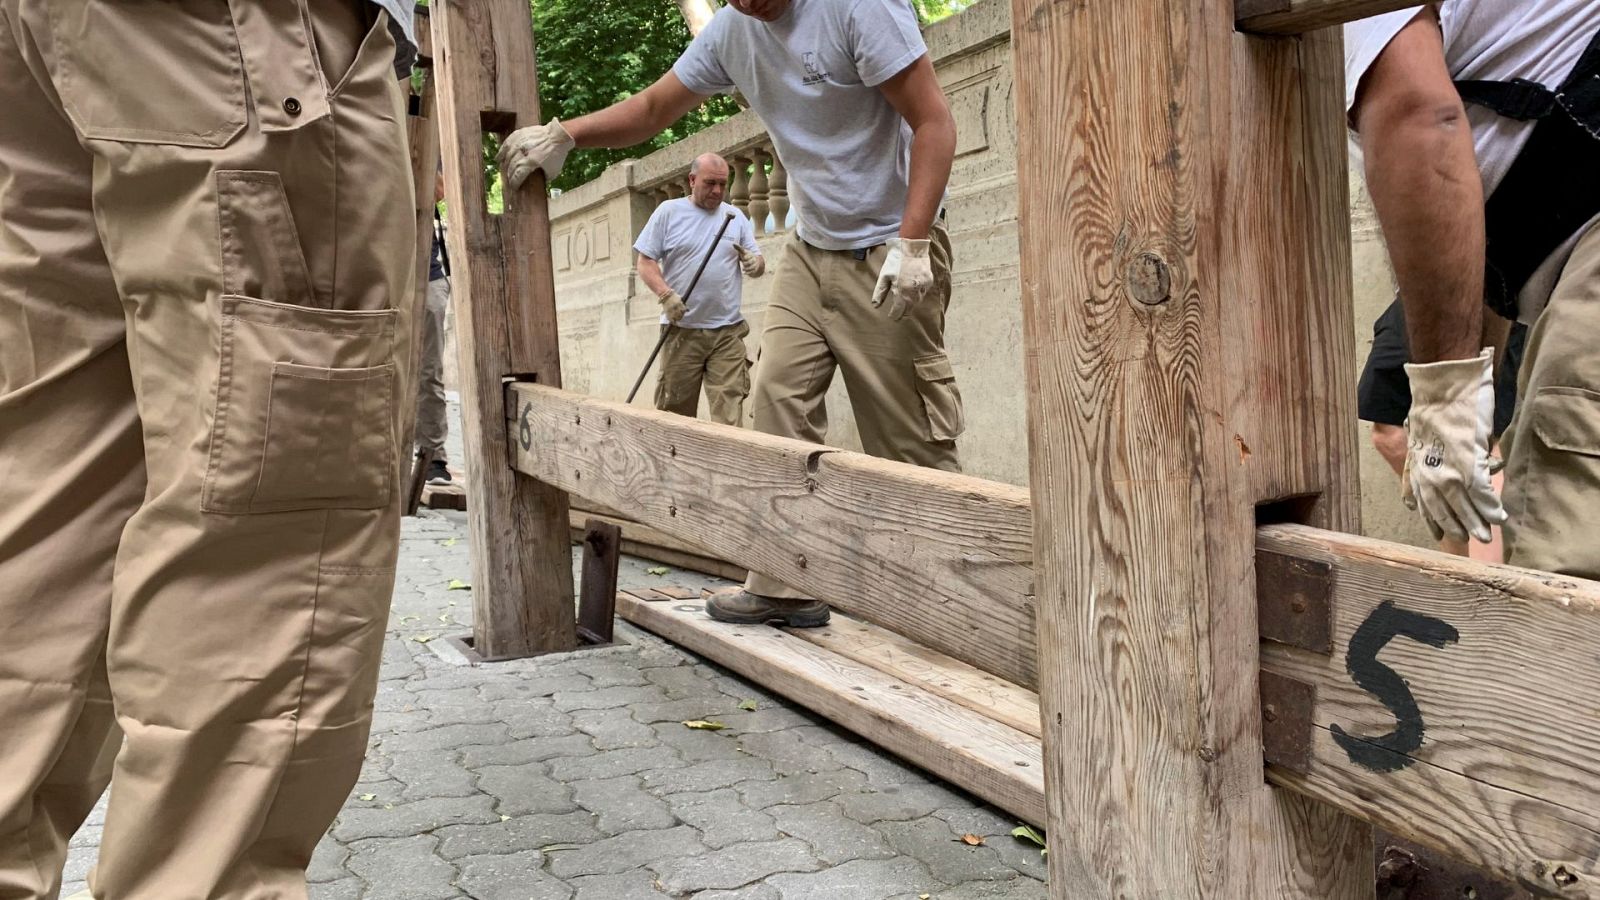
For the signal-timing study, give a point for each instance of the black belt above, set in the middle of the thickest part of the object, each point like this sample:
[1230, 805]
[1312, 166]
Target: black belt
[858, 253]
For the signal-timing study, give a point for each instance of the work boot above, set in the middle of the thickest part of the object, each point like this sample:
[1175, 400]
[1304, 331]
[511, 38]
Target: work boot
[744, 608]
[438, 472]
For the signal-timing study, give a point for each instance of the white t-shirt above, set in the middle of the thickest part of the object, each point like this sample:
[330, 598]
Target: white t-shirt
[813, 77]
[677, 236]
[1493, 40]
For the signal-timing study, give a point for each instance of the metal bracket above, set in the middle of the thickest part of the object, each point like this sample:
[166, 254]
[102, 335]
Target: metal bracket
[1286, 706]
[1410, 871]
[597, 592]
[1293, 601]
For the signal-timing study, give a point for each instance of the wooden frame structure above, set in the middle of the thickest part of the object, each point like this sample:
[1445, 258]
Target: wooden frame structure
[1168, 651]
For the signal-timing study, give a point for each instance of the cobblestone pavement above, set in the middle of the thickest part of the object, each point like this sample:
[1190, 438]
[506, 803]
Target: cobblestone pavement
[572, 777]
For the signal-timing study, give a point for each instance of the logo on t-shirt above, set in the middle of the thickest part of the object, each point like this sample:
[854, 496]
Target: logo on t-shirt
[813, 75]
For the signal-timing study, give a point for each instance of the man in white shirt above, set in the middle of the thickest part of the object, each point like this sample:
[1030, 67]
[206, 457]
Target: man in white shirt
[705, 339]
[1496, 99]
[849, 96]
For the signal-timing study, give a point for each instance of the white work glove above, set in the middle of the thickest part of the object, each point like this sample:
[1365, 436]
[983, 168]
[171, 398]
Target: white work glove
[906, 276]
[752, 263]
[1447, 447]
[672, 306]
[529, 149]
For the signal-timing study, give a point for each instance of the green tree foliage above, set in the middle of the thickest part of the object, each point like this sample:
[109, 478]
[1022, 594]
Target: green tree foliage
[593, 53]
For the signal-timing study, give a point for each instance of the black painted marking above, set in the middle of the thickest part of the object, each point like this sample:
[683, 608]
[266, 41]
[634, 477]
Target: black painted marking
[1390, 752]
[525, 430]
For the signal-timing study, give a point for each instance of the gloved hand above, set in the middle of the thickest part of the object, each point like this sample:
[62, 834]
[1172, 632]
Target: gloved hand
[753, 264]
[906, 276]
[529, 149]
[672, 306]
[1447, 447]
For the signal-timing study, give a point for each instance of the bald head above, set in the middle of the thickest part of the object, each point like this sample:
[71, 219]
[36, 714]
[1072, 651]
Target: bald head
[708, 180]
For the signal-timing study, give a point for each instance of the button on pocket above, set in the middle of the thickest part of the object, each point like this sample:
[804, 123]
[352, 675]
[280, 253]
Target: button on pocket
[941, 399]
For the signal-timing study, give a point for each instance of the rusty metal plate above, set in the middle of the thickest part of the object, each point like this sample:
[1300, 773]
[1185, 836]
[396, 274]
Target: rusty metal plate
[1410, 871]
[597, 593]
[1286, 705]
[1293, 600]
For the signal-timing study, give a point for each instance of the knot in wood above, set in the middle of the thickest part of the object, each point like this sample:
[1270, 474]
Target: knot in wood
[1149, 279]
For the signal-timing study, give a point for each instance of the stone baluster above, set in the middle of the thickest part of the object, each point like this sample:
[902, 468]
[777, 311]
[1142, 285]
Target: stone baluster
[675, 190]
[739, 188]
[778, 194]
[758, 190]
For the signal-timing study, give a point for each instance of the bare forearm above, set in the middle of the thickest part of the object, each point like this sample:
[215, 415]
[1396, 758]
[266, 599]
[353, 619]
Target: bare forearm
[1423, 176]
[933, 147]
[650, 273]
[622, 124]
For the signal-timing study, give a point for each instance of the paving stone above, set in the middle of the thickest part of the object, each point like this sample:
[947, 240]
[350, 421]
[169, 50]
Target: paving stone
[735, 866]
[708, 776]
[1024, 856]
[637, 885]
[1019, 888]
[696, 745]
[835, 837]
[880, 770]
[862, 879]
[448, 737]
[750, 892]
[764, 720]
[722, 818]
[614, 763]
[614, 856]
[431, 773]
[824, 735]
[979, 820]
[684, 710]
[607, 698]
[899, 802]
[621, 805]
[613, 729]
[358, 823]
[681, 682]
[788, 754]
[527, 751]
[533, 718]
[514, 877]
[947, 856]
[800, 789]
[524, 790]
[533, 687]
[514, 835]
[327, 863]
[613, 672]
[344, 889]
[404, 869]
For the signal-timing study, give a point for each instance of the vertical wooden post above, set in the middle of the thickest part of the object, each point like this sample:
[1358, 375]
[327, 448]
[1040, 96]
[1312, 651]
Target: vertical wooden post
[1186, 284]
[422, 128]
[504, 295]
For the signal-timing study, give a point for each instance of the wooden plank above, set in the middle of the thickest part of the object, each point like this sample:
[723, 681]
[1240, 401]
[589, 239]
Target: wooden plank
[1495, 749]
[1284, 17]
[997, 763]
[504, 294]
[1186, 292]
[937, 557]
[422, 132]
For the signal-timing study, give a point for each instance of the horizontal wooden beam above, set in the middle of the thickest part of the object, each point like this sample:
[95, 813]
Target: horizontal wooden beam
[1286, 17]
[999, 764]
[937, 557]
[1460, 705]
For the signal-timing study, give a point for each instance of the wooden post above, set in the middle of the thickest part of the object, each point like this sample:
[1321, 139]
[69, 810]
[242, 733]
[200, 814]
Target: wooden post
[1187, 297]
[422, 127]
[504, 295]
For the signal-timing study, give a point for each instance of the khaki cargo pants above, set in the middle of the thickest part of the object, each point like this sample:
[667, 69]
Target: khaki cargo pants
[713, 356]
[1552, 449]
[206, 251]
[820, 317]
[433, 413]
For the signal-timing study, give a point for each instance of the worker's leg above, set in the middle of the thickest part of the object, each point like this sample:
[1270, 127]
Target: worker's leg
[901, 385]
[683, 361]
[432, 412]
[1552, 449]
[71, 473]
[260, 228]
[728, 373]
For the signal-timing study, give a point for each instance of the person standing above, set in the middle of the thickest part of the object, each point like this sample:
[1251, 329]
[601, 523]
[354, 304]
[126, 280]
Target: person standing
[433, 412]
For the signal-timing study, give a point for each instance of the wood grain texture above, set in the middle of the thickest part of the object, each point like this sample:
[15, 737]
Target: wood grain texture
[504, 294]
[937, 557]
[1287, 17]
[1183, 244]
[1507, 774]
[648, 543]
[422, 132]
[984, 757]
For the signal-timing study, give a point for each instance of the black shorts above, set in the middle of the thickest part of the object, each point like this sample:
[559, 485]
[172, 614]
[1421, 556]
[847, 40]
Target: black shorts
[1384, 393]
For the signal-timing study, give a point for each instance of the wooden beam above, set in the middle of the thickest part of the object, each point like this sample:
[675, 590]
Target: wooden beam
[422, 131]
[997, 763]
[504, 294]
[1285, 17]
[648, 543]
[1484, 680]
[937, 557]
[1189, 351]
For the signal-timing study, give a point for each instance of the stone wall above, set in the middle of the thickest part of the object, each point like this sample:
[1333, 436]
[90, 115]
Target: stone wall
[608, 319]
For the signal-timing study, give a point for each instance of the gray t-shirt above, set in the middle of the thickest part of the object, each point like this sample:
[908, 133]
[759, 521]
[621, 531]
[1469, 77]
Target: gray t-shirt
[677, 236]
[812, 76]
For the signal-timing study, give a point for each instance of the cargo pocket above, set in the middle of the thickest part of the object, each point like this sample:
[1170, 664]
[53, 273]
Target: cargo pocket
[1568, 419]
[304, 414]
[164, 72]
[941, 399]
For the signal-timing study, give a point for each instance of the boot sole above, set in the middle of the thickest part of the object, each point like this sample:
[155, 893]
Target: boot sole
[798, 620]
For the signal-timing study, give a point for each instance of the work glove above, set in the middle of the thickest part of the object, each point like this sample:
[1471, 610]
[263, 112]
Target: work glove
[906, 276]
[752, 263]
[530, 149]
[1447, 447]
[672, 306]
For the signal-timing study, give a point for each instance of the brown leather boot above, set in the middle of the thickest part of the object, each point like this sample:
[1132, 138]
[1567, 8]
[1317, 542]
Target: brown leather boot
[744, 608]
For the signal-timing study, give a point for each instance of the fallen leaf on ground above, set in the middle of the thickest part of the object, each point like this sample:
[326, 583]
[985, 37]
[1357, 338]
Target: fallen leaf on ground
[748, 706]
[422, 638]
[505, 818]
[457, 584]
[449, 542]
[445, 618]
[368, 798]
[405, 619]
[1028, 833]
[972, 840]
[657, 570]
[703, 725]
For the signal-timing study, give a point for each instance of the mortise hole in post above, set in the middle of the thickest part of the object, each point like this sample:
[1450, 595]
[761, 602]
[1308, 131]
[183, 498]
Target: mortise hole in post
[495, 124]
[1302, 510]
